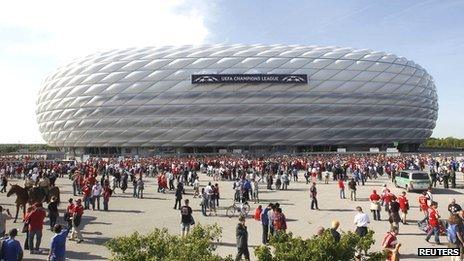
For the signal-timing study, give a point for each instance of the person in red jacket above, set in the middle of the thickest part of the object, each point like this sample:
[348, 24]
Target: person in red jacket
[106, 196]
[78, 211]
[424, 206]
[86, 191]
[35, 219]
[257, 215]
[341, 186]
[433, 222]
[375, 204]
[404, 206]
[389, 242]
[387, 198]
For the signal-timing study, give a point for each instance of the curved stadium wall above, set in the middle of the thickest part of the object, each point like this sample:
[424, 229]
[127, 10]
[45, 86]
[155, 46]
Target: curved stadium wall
[143, 97]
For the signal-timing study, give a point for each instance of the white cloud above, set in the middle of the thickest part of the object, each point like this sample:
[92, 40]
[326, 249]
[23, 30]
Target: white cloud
[86, 26]
[42, 33]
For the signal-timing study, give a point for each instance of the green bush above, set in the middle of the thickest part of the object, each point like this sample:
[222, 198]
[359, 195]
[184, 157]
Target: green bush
[160, 245]
[285, 247]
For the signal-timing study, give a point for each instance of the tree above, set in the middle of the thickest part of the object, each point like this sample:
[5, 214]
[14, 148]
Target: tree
[160, 245]
[286, 247]
[448, 143]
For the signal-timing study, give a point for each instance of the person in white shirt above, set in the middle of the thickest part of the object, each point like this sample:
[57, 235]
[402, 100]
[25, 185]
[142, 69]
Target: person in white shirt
[429, 196]
[196, 188]
[361, 220]
[96, 192]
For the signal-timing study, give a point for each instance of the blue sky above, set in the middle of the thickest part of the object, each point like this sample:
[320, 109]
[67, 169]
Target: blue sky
[33, 43]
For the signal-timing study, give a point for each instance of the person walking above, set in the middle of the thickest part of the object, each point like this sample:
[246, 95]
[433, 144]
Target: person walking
[53, 211]
[35, 220]
[280, 221]
[394, 218]
[178, 196]
[96, 193]
[87, 195]
[140, 187]
[265, 223]
[375, 205]
[11, 248]
[4, 184]
[255, 190]
[58, 244]
[78, 211]
[352, 187]
[455, 233]
[186, 218]
[69, 213]
[3, 218]
[107, 192]
[424, 206]
[134, 188]
[341, 186]
[389, 243]
[404, 206]
[313, 195]
[433, 217]
[241, 234]
[361, 220]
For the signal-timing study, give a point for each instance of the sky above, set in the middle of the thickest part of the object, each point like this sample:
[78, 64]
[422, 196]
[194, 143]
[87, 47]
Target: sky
[36, 37]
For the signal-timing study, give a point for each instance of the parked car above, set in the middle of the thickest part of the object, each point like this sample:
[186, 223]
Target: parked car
[413, 180]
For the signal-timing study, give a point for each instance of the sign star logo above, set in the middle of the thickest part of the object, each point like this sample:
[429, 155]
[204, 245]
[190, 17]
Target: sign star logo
[207, 78]
[293, 78]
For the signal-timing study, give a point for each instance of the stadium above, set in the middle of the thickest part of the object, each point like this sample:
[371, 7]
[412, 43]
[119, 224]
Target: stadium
[223, 98]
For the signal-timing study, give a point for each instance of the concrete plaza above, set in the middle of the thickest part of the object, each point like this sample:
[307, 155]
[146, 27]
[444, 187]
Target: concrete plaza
[128, 214]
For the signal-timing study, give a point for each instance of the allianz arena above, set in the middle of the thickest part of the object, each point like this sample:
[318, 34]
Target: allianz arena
[144, 99]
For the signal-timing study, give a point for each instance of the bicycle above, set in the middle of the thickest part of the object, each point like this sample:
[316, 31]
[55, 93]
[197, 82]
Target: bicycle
[238, 207]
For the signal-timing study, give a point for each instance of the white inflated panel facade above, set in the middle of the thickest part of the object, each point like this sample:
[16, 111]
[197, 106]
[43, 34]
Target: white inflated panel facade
[143, 97]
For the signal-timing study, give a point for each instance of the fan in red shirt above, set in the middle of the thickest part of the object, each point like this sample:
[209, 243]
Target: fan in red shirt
[35, 220]
[423, 206]
[390, 243]
[341, 186]
[375, 204]
[404, 206]
[387, 198]
[433, 222]
[78, 211]
[86, 190]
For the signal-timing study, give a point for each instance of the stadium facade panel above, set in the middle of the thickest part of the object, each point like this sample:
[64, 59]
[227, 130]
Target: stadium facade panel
[144, 97]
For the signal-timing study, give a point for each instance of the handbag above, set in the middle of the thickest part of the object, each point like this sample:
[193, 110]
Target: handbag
[192, 221]
[25, 227]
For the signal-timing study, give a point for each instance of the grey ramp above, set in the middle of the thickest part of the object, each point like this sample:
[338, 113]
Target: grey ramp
[143, 97]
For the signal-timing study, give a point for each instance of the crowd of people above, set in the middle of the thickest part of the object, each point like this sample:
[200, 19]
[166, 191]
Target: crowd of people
[98, 179]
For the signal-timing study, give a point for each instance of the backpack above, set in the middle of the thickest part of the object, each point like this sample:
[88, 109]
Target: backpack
[451, 233]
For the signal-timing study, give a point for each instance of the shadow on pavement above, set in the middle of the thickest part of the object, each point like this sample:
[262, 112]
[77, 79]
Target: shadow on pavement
[72, 255]
[338, 209]
[125, 211]
[445, 191]
[95, 240]
[414, 256]
[144, 197]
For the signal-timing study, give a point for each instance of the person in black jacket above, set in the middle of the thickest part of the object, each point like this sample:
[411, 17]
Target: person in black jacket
[242, 240]
[178, 196]
[53, 211]
[334, 232]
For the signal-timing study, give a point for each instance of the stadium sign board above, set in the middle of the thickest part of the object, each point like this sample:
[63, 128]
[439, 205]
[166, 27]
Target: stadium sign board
[249, 78]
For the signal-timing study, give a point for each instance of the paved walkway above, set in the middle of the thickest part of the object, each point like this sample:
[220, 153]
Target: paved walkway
[127, 215]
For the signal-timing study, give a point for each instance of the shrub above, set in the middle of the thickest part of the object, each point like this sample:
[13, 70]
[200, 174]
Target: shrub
[287, 247]
[160, 245]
